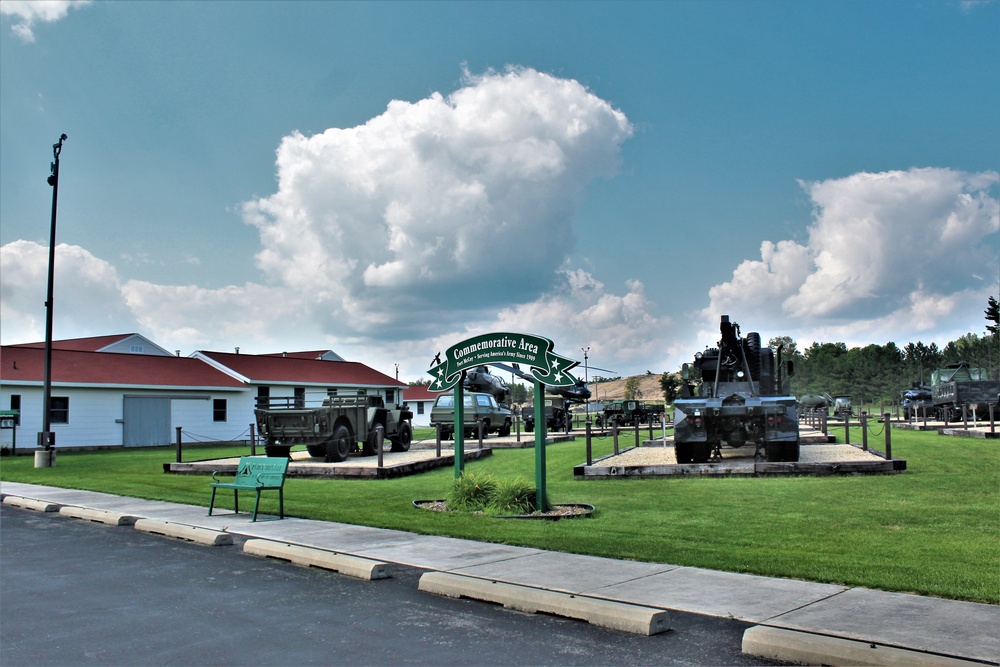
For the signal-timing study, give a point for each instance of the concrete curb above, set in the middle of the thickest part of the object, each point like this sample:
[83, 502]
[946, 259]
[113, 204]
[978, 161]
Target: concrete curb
[99, 516]
[352, 566]
[206, 536]
[632, 618]
[31, 504]
[806, 648]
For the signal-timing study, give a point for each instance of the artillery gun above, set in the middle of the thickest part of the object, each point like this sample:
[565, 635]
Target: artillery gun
[735, 394]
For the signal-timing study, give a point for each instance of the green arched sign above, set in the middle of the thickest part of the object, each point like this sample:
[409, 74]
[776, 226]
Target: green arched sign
[527, 350]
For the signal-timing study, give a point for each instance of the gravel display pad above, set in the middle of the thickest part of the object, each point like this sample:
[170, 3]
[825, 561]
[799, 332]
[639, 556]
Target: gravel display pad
[821, 459]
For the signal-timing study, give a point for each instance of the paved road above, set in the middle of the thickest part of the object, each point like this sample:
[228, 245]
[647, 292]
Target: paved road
[83, 593]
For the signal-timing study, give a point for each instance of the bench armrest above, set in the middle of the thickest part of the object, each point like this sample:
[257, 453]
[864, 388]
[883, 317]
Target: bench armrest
[215, 475]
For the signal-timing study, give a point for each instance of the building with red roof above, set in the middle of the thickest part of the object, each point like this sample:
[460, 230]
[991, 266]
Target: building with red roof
[421, 400]
[125, 390]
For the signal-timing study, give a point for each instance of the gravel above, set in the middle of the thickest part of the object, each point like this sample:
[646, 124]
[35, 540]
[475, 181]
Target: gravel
[661, 456]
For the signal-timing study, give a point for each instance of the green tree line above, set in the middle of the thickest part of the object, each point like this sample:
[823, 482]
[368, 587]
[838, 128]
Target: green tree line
[878, 373]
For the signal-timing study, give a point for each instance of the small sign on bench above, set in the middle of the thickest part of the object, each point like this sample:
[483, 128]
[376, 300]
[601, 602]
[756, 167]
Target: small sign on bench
[254, 473]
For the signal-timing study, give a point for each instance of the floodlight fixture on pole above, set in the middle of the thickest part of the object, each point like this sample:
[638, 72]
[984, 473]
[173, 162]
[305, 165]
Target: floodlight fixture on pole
[46, 439]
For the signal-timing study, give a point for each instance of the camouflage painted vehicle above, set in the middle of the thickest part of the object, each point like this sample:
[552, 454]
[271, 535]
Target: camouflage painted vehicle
[735, 394]
[333, 430]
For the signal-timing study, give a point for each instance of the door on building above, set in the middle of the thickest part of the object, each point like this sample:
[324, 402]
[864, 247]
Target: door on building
[147, 421]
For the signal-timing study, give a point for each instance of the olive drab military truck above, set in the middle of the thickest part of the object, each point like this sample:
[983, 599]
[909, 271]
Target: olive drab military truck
[958, 385]
[333, 430]
[735, 394]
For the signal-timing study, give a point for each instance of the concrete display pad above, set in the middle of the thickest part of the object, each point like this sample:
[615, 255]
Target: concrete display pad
[658, 460]
[394, 464]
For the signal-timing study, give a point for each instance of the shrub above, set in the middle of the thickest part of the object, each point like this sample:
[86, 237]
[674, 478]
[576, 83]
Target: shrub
[512, 495]
[471, 492]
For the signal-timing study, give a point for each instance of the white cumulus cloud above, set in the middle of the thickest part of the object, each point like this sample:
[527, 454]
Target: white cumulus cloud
[87, 293]
[449, 206]
[889, 256]
[27, 13]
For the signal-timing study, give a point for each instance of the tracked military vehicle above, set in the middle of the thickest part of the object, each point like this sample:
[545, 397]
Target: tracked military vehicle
[332, 430]
[735, 394]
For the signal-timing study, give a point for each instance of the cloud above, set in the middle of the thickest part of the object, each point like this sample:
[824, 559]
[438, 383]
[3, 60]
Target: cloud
[580, 312]
[27, 13]
[87, 296]
[433, 220]
[449, 206]
[890, 254]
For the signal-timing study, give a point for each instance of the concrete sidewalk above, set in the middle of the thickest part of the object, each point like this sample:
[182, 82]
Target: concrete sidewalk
[797, 621]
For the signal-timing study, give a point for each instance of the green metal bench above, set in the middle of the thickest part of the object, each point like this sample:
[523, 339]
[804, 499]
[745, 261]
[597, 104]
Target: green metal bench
[254, 473]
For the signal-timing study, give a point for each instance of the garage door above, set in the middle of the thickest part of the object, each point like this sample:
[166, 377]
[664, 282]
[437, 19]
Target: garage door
[147, 421]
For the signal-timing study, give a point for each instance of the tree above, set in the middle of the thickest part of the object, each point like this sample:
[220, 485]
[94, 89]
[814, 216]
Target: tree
[670, 383]
[993, 315]
[518, 393]
[632, 390]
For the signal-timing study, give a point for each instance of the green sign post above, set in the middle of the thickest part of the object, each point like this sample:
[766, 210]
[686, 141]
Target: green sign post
[526, 350]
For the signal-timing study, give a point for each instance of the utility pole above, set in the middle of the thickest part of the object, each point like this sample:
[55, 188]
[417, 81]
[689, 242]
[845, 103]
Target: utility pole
[586, 381]
[46, 439]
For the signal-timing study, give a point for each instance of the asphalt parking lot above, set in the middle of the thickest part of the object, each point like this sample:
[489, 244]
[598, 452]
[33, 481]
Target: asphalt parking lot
[83, 593]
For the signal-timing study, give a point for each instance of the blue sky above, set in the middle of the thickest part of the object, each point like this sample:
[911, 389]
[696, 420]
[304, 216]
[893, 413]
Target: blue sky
[386, 179]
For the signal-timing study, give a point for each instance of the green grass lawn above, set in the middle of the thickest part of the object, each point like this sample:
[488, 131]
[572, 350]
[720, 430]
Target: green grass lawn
[933, 530]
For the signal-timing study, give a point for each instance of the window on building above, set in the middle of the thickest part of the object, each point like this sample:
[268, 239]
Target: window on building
[300, 397]
[390, 396]
[59, 410]
[331, 391]
[135, 349]
[420, 407]
[263, 397]
[219, 410]
[15, 404]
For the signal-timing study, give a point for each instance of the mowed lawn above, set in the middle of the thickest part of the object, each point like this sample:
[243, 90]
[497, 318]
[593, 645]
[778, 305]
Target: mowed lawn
[933, 530]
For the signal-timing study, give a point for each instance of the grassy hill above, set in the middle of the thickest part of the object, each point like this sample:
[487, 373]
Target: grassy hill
[649, 385]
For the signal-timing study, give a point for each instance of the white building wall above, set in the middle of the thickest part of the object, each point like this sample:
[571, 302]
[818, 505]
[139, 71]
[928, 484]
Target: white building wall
[421, 419]
[95, 415]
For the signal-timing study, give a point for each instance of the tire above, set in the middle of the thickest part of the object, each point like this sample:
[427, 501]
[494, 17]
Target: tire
[339, 446]
[529, 427]
[504, 430]
[753, 355]
[316, 451]
[403, 438]
[370, 445]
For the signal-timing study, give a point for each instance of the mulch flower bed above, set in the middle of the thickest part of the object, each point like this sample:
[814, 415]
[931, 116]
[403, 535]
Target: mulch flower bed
[554, 512]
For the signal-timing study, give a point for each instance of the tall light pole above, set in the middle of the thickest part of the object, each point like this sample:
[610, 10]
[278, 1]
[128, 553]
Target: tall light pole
[586, 381]
[46, 439]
